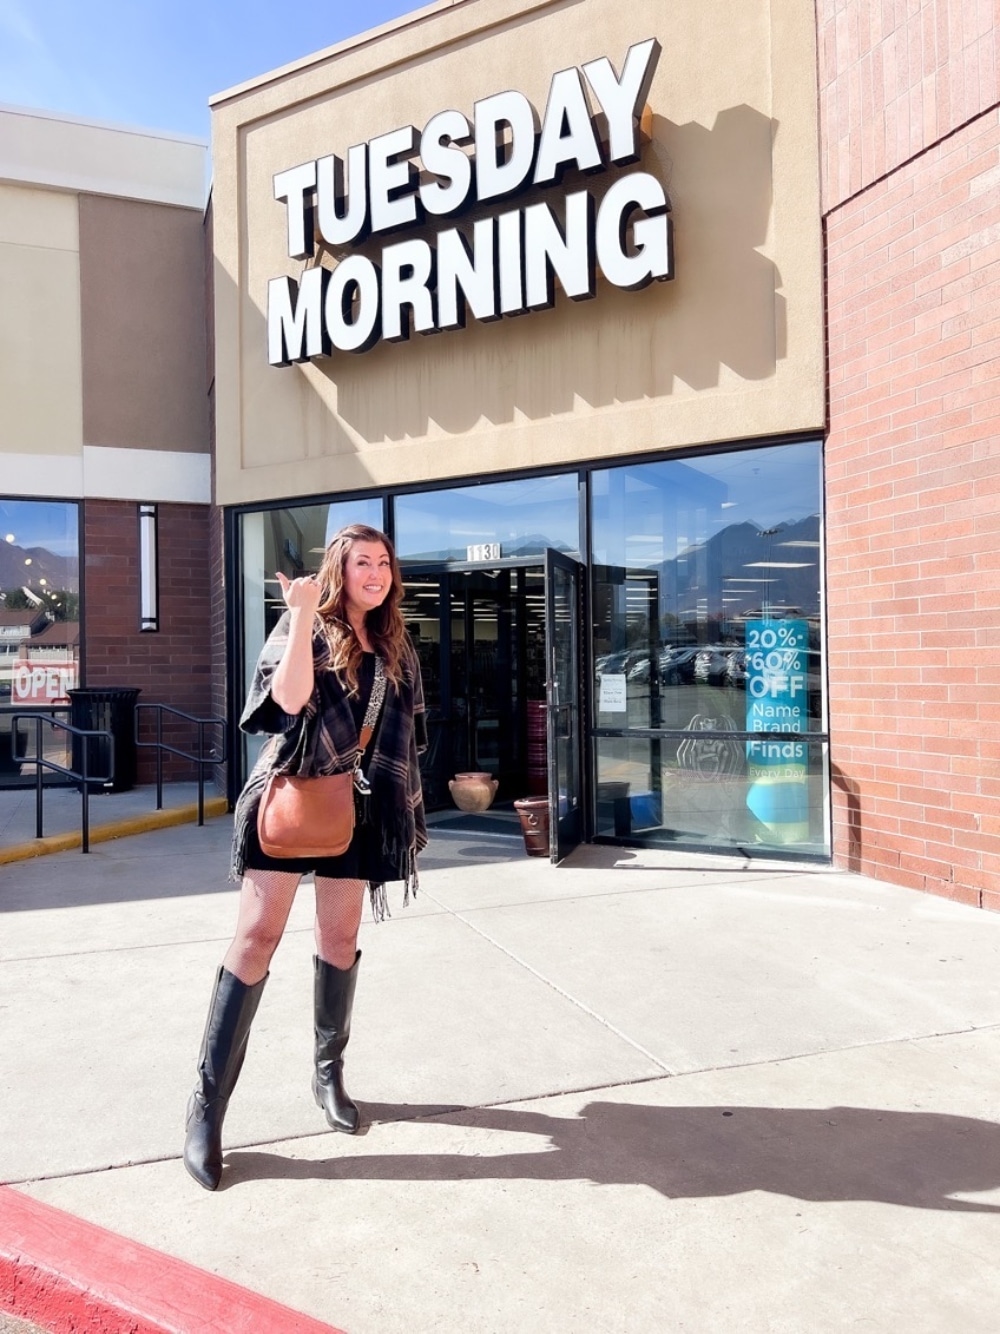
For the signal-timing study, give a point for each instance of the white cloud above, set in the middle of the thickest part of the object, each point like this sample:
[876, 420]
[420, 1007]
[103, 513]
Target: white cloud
[14, 18]
[38, 67]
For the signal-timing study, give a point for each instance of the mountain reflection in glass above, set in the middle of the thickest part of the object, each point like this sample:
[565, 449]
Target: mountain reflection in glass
[523, 517]
[39, 622]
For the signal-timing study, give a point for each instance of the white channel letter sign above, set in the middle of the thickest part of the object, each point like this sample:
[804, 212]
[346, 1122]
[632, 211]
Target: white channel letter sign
[513, 258]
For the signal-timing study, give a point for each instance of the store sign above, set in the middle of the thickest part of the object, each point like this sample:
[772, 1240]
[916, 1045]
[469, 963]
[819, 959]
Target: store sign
[42, 682]
[777, 702]
[509, 261]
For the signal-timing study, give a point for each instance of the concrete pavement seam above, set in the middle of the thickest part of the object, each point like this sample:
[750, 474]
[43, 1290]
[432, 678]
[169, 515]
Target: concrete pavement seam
[554, 986]
[324, 1132]
[15, 1182]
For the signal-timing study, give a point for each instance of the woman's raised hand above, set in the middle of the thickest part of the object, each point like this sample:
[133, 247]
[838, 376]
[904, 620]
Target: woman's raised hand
[303, 592]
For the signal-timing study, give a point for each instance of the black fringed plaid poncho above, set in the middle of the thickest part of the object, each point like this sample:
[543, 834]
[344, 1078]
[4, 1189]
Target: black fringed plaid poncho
[395, 806]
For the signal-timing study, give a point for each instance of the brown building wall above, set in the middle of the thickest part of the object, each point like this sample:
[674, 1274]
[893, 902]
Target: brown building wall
[912, 463]
[170, 666]
[216, 533]
[218, 704]
[142, 313]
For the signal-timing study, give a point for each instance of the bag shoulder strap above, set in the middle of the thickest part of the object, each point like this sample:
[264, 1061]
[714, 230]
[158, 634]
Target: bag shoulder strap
[374, 706]
[375, 700]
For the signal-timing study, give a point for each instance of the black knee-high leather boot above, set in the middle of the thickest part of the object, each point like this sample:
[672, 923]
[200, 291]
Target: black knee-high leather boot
[334, 999]
[223, 1048]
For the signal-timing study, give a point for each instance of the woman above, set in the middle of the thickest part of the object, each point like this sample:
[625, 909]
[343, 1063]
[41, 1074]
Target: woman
[340, 643]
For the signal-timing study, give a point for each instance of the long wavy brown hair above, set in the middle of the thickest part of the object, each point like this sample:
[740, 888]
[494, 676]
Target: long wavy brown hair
[384, 623]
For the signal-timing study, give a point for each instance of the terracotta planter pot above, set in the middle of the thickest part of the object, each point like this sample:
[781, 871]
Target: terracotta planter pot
[473, 791]
[533, 813]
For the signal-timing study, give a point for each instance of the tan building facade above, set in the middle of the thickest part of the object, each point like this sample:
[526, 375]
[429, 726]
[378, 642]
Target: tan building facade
[537, 287]
[660, 341]
[662, 346]
[104, 385]
[730, 347]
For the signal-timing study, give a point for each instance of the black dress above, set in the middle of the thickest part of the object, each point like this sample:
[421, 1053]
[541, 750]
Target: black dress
[363, 858]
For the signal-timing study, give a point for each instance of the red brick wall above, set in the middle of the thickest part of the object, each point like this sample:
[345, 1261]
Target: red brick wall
[170, 666]
[894, 77]
[910, 160]
[913, 520]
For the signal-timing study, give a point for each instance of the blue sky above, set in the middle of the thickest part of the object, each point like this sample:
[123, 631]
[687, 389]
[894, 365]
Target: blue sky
[155, 66]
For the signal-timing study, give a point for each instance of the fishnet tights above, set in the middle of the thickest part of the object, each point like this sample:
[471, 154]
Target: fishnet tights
[265, 902]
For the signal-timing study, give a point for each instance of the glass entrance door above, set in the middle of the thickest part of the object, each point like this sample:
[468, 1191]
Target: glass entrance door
[479, 634]
[482, 656]
[563, 627]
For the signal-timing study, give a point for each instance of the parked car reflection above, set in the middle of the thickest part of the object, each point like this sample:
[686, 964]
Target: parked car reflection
[736, 669]
[621, 663]
[710, 665]
[677, 665]
[719, 665]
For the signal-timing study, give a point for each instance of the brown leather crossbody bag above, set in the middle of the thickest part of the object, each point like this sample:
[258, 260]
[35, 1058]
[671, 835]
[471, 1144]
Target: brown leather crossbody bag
[314, 817]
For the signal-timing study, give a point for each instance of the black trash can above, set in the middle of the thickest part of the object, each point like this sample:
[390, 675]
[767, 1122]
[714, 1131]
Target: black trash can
[109, 710]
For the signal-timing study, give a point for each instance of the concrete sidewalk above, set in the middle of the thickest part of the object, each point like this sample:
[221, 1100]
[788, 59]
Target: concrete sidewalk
[638, 1091]
[111, 815]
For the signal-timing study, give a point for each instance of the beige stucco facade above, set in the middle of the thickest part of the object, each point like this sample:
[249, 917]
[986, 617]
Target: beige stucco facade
[730, 348]
[105, 439]
[40, 388]
[103, 362]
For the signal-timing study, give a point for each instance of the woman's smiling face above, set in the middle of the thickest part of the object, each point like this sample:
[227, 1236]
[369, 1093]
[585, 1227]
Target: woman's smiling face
[367, 576]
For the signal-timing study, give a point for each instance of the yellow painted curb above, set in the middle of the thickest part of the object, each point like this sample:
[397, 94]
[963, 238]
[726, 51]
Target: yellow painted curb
[136, 824]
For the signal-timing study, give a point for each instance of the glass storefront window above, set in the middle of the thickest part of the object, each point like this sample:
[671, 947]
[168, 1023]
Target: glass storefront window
[708, 632]
[703, 791]
[706, 721]
[39, 619]
[518, 519]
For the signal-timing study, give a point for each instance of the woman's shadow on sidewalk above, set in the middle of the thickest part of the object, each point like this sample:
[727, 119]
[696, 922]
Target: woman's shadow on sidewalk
[917, 1159]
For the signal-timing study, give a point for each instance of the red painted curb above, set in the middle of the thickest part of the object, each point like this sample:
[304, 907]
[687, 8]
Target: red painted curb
[70, 1275]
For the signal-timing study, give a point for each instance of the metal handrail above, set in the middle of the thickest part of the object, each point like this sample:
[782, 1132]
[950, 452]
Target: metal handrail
[39, 761]
[162, 747]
